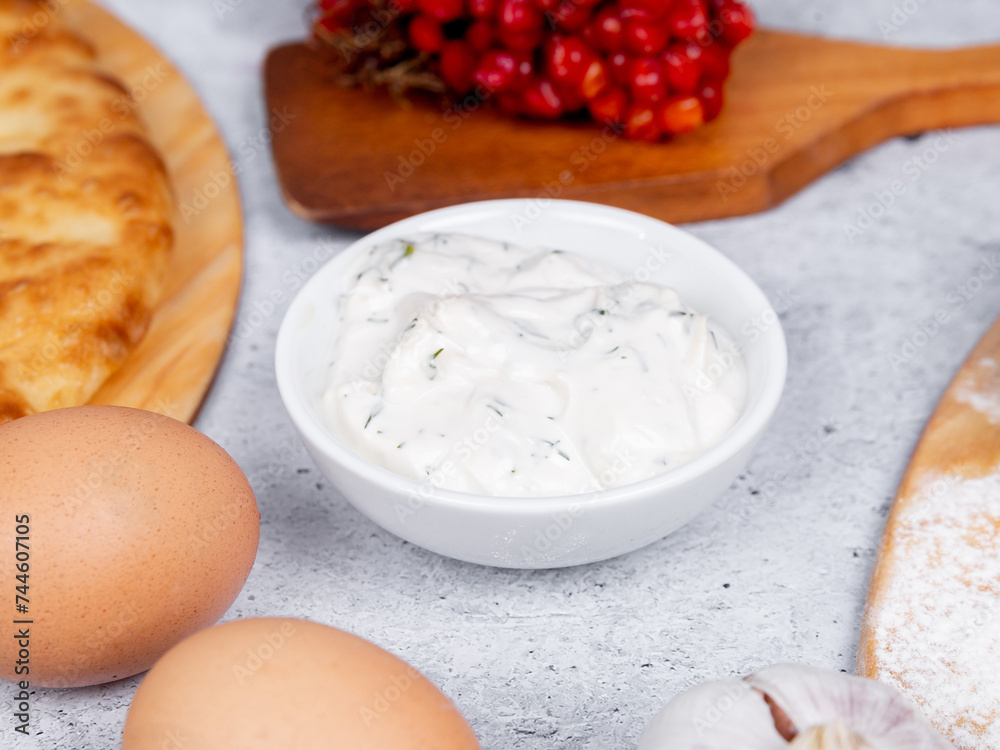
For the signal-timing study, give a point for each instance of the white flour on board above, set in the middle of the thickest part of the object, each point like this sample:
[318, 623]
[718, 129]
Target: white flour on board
[938, 632]
[984, 401]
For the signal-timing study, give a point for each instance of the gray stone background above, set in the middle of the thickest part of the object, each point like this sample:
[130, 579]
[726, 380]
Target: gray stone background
[775, 571]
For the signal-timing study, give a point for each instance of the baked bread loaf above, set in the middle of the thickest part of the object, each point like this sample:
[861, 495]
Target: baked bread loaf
[85, 216]
[932, 621]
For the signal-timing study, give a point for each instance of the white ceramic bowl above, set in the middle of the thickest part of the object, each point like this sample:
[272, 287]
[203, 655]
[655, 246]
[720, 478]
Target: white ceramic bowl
[552, 531]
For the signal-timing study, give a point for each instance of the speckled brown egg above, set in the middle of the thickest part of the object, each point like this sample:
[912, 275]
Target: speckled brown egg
[132, 531]
[269, 683]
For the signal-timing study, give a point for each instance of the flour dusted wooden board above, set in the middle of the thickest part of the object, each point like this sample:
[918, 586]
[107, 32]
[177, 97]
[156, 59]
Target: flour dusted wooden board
[797, 106]
[932, 621]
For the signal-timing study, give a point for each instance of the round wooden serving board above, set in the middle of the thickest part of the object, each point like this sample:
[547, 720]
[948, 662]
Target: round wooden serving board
[931, 624]
[172, 369]
[797, 106]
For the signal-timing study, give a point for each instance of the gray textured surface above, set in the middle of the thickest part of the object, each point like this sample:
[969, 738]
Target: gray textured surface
[776, 570]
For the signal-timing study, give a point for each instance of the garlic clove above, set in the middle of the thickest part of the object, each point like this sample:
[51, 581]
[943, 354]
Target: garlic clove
[812, 697]
[721, 715]
[836, 736]
[791, 706]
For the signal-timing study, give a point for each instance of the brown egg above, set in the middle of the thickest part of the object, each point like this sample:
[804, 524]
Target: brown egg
[268, 683]
[132, 531]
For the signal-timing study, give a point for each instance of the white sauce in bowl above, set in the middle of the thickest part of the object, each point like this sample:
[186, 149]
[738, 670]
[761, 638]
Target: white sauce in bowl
[494, 369]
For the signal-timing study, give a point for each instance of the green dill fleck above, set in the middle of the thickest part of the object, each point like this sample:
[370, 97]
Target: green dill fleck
[491, 406]
[401, 445]
[614, 350]
[602, 312]
[435, 356]
[406, 254]
[563, 455]
[368, 421]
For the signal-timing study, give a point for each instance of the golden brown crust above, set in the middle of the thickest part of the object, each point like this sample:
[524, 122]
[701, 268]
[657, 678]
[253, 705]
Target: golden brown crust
[85, 209]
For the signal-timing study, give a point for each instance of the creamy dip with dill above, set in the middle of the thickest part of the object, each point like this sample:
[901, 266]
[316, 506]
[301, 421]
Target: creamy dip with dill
[490, 368]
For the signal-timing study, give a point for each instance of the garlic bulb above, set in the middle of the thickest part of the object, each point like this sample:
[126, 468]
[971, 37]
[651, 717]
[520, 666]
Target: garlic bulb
[791, 706]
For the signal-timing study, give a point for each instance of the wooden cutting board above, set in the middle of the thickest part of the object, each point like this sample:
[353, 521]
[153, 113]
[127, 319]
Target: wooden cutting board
[172, 368]
[932, 620]
[797, 106]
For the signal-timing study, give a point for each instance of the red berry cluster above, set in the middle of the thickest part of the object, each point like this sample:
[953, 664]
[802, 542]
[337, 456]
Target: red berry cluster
[653, 68]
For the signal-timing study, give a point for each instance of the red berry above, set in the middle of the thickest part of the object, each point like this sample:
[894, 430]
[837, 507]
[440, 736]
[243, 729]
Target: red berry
[540, 99]
[680, 114]
[595, 79]
[644, 37]
[621, 69]
[648, 9]
[738, 22]
[609, 107]
[688, 20]
[458, 63]
[442, 10]
[496, 71]
[606, 30]
[403, 7]
[519, 16]
[648, 84]
[711, 97]
[715, 62]
[570, 15]
[572, 98]
[521, 41]
[483, 8]
[566, 59]
[479, 35]
[425, 34]
[337, 14]
[683, 73]
[524, 68]
[640, 124]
